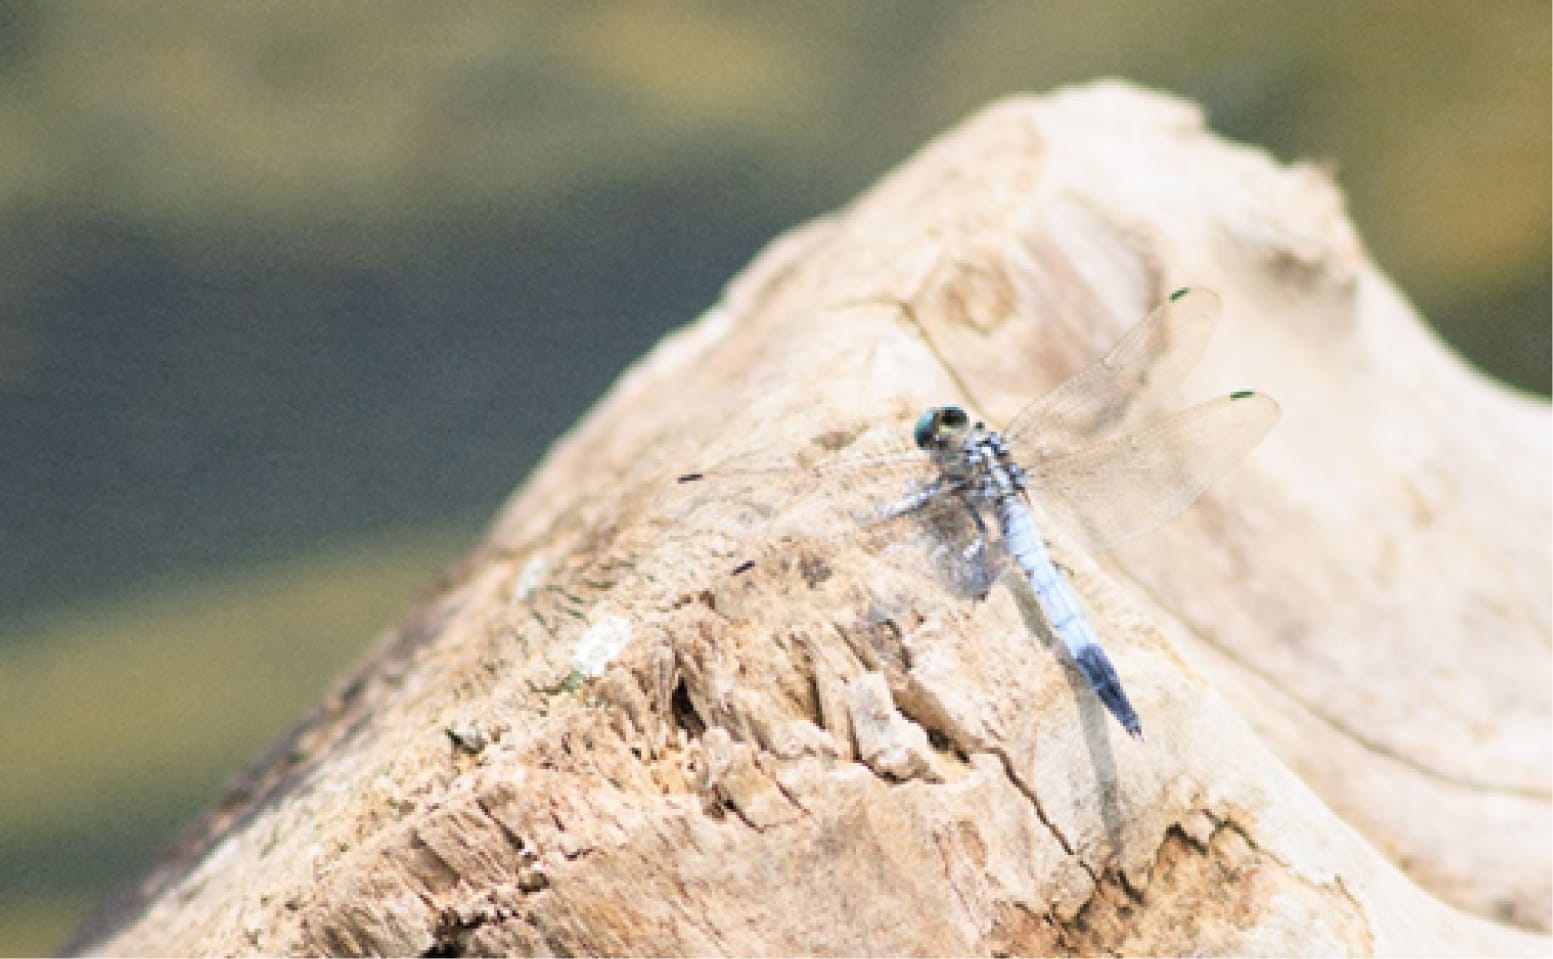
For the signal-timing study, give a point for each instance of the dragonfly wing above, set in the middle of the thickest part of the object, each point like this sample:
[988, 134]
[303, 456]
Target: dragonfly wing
[757, 497]
[1118, 489]
[1153, 358]
[945, 539]
[871, 561]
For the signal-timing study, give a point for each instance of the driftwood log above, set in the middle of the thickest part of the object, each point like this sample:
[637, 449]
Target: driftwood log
[593, 740]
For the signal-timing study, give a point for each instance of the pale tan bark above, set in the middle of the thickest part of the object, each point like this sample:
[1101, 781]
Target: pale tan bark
[1341, 655]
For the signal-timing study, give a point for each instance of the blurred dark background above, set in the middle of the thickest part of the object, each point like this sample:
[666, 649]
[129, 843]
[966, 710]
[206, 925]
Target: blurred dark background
[292, 295]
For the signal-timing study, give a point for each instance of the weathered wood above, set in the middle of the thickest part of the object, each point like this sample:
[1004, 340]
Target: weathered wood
[1341, 655]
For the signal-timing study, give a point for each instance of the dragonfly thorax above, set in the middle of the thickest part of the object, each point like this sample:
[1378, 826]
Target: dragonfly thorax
[973, 457]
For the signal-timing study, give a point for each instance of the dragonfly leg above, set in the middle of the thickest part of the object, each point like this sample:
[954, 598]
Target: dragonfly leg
[911, 502]
[980, 574]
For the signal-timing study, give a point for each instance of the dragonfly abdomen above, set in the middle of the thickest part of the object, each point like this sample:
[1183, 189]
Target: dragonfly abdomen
[1061, 605]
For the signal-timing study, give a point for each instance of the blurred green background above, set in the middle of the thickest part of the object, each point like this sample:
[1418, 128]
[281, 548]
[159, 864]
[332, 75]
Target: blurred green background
[293, 294]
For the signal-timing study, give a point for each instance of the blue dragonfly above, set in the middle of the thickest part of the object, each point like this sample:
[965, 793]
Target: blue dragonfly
[961, 501]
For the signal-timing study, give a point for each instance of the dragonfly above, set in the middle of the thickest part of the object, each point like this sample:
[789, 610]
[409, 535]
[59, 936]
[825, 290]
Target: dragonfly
[966, 496]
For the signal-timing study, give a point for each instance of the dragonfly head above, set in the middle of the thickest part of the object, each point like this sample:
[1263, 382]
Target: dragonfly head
[940, 427]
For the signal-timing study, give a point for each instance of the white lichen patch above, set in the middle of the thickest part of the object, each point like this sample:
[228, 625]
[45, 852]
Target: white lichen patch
[600, 644]
[529, 578]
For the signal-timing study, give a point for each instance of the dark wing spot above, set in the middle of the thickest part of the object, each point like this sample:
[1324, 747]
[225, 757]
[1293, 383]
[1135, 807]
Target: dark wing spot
[691, 477]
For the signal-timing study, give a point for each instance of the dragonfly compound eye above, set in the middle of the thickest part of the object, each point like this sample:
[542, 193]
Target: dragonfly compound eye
[938, 425]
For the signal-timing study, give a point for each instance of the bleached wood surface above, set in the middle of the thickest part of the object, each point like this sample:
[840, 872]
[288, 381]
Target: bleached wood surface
[1341, 655]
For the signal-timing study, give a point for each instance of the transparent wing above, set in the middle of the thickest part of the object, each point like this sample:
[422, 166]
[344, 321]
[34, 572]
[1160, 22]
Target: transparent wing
[757, 497]
[1116, 490]
[1150, 360]
[859, 537]
[873, 572]
[945, 539]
